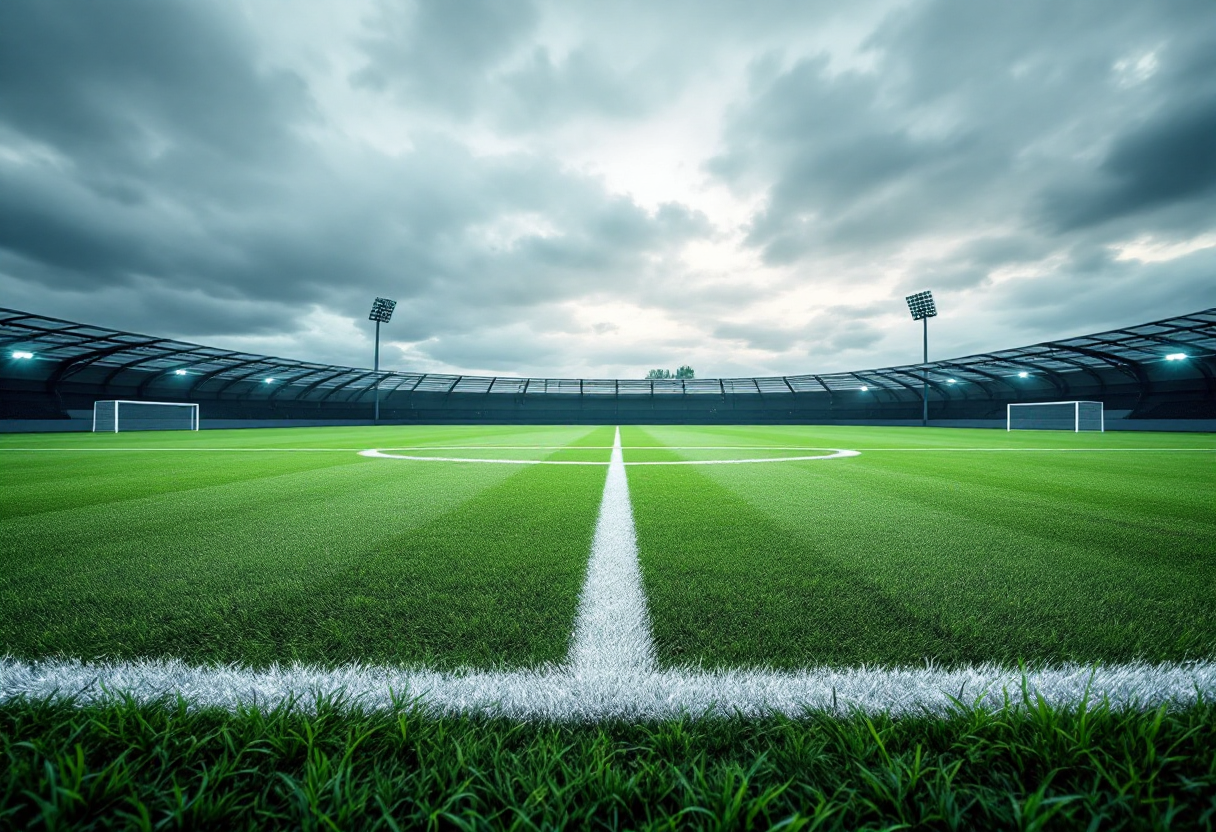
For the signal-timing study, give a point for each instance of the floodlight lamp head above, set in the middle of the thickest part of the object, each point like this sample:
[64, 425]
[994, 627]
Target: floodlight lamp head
[921, 305]
[382, 310]
[22, 354]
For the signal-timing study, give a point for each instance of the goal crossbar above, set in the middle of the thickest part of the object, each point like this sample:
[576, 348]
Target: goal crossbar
[1070, 415]
[108, 415]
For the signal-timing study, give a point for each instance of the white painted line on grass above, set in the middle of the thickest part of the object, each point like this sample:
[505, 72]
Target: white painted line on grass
[566, 694]
[834, 454]
[831, 454]
[375, 454]
[612, 629]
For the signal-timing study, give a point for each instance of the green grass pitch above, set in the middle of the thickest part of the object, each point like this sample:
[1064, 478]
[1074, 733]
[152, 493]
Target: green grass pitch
[954, 547]
[904, 554]
[900, 556]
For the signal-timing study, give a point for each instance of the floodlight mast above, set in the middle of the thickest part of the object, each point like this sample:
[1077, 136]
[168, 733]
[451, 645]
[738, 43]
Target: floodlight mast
[382, 313]
[922, 308]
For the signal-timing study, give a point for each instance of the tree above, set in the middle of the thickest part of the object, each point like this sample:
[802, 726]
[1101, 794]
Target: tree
[684, 372]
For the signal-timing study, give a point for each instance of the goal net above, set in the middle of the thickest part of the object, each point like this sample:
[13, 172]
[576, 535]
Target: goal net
[115, 416]
[1074, 416]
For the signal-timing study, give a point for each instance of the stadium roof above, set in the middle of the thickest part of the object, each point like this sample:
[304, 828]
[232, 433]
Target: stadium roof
[76, 347]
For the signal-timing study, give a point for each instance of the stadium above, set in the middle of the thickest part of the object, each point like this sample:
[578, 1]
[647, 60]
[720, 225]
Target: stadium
[269, 559]
[1156, 376]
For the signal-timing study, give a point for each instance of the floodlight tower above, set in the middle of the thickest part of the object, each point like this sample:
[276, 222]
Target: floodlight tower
[922, 308]
[382, 312]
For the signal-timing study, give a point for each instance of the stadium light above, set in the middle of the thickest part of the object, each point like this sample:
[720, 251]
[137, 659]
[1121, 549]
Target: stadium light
[21, 354]
[270, 380]
[382, 313]
[1023, 374]
[1174, 356]
[951, 381]
[179, 372]
[864, 388]
[923, 308]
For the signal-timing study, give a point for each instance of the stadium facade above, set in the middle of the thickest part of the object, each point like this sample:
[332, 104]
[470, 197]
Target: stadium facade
[51, 372]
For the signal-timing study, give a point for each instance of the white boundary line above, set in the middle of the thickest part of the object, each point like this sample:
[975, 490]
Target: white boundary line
[583, 694]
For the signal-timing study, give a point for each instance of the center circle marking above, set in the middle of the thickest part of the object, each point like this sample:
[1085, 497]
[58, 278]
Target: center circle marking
[830, 453]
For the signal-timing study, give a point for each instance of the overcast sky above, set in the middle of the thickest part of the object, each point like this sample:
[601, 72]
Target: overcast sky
[595, 189]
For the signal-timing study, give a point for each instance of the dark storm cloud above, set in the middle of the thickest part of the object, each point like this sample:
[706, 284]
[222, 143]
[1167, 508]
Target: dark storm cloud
[477, 60]
[977, 115]
[143, 87]
[439, 52]
[1170, 160]
[158, 179]
[1120, 291]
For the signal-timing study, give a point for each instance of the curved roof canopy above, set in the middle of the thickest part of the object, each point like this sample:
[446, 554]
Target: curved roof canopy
[75, 347]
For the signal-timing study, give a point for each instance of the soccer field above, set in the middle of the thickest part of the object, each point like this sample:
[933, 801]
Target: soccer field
[457, 548]
[782, 625]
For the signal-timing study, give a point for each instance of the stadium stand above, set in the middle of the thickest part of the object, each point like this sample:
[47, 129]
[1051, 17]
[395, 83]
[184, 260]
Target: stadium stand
[74, 364]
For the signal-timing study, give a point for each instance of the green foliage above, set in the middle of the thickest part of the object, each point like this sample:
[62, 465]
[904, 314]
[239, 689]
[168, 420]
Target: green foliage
[683, 372]
[1035, 767]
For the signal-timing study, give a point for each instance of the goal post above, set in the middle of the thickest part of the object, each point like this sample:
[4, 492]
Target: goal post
[121, 415]
[1072, 416]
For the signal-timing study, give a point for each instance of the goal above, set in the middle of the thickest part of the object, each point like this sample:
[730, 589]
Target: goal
[1074, 416]
[113, 416]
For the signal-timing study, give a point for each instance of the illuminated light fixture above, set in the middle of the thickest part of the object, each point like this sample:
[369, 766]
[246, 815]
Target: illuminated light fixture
[22, 354]
[923, 308]
[382, 313]
[179, 372]
[951, 381]
[1174, 356]
[270, 380]
[1023, 374]
[382, 310]
[864, 388]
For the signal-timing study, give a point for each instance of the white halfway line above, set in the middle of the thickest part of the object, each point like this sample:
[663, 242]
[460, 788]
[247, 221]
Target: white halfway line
[612, 630]
[610, 672]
